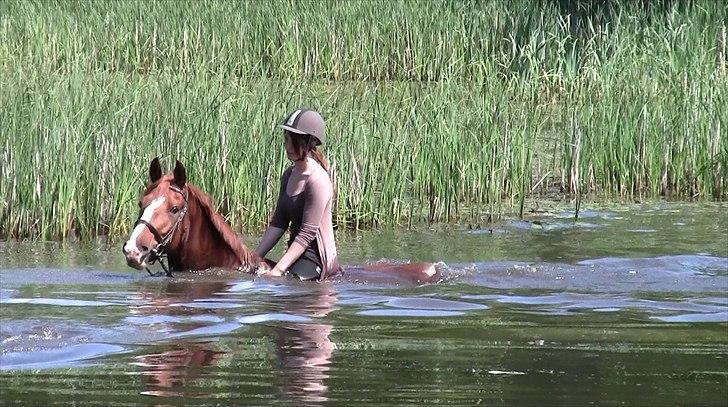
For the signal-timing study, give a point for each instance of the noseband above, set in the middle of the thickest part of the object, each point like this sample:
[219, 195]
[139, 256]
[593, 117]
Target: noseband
[158, 252]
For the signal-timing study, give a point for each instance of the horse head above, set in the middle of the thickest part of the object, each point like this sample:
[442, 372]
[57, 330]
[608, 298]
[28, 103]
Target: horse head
[162, 210]
[179, 221]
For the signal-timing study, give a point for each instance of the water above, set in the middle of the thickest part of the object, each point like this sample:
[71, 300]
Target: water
[629, 306]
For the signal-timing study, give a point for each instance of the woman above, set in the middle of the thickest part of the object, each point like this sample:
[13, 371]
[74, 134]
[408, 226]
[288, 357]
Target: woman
[304, 204]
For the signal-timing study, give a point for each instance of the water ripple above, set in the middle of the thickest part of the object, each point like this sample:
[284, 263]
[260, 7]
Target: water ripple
[59, 357]
[61, 302]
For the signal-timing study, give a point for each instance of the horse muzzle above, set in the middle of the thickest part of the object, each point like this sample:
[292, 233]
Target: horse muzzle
[135, 259]
[135, 262]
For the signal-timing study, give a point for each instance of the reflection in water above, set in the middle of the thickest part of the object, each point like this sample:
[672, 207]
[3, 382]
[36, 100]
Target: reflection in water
[574, 316]
[304, 351]
[171, 369]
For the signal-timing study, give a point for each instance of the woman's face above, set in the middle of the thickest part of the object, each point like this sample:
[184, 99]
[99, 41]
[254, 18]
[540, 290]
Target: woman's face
[291, 152]
[288, 144]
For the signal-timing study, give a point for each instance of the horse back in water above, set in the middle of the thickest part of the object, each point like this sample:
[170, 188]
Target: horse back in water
[178, 220]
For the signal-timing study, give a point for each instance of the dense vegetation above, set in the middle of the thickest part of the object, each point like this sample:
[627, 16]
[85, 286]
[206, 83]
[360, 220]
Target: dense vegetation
[435, 110]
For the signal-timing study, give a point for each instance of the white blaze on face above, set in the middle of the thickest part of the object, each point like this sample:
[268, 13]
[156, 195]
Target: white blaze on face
[131, 244]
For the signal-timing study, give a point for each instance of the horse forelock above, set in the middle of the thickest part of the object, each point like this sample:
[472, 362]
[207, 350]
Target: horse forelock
[151, 187]
[245, 256]
[154, 185]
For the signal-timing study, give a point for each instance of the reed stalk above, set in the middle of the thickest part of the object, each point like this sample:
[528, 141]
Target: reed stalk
[436, 111]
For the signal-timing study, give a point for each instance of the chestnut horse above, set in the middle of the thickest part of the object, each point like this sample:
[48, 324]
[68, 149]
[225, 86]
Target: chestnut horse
[178, 221]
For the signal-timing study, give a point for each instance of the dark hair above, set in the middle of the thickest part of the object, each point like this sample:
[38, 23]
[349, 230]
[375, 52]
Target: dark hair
[304, 144]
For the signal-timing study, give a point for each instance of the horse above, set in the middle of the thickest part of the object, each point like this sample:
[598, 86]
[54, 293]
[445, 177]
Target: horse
[179, 221]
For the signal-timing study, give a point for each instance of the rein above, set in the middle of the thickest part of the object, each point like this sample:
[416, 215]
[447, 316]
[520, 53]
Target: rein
[158, 252]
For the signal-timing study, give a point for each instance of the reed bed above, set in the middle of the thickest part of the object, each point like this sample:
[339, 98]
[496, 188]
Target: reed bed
[436, 111]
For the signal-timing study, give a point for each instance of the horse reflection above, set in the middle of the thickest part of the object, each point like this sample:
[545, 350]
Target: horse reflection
[173, 369]
[303, 351]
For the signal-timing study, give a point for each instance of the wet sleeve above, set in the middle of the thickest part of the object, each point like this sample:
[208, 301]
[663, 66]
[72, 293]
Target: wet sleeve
[318, 194]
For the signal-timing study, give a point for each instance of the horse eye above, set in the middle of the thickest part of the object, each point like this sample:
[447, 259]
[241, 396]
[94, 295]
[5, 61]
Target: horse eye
[175, 209]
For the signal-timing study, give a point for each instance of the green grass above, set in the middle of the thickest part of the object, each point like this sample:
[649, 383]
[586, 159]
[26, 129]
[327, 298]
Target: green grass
[436, 111]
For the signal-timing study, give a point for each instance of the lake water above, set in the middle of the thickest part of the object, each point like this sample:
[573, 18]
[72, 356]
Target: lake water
[628, 306]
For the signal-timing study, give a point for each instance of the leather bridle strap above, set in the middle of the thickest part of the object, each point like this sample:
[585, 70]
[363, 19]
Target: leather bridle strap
[157, 236]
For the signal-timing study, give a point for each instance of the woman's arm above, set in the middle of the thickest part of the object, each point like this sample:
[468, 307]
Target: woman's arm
[278, 224]
[270, 238]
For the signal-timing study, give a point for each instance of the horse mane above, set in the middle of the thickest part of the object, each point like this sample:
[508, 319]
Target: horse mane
[246, 257]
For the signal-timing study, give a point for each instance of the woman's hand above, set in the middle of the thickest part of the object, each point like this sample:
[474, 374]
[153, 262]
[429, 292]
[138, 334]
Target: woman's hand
[275, 271]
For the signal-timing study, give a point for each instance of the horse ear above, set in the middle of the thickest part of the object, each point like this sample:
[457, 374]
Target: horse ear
[155, 170]
[180, 174]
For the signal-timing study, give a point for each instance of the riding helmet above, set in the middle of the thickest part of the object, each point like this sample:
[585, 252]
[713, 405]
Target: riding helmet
[304, 121]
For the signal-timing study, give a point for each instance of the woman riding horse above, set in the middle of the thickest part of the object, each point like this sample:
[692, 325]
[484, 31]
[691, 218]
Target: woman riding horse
[178, 221]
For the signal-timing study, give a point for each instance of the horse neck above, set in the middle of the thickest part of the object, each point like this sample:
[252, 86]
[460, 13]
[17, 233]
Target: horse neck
[201, 245]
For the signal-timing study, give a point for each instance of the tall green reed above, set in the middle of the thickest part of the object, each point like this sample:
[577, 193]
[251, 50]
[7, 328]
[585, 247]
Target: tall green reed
[436, 111]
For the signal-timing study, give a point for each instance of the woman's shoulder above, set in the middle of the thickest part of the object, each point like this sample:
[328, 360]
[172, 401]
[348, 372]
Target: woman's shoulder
[320, 171]
[320, 179]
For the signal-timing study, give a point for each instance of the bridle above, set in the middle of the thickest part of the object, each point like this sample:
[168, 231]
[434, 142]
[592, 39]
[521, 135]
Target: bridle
[158, 251]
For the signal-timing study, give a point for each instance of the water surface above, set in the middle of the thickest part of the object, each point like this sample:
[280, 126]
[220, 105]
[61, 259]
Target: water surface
[628, 306]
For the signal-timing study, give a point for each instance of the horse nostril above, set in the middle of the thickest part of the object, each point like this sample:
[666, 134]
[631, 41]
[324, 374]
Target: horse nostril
[145, 249]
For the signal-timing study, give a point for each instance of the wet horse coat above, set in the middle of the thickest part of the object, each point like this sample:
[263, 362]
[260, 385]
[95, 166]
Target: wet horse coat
[179, 221]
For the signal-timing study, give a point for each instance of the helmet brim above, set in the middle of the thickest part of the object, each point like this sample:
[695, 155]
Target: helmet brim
[294, 130]
[291, 129]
